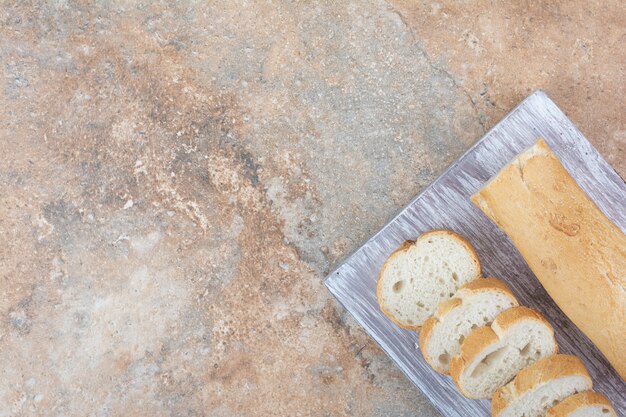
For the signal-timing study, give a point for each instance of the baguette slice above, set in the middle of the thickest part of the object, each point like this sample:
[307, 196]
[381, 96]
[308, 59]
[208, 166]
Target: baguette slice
[576, 252]
[584, 404]
[475, 304]
[541, 386]
[420, 274]
[491, 356]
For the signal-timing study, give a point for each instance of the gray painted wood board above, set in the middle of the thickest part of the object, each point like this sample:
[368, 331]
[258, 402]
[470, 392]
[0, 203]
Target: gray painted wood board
[445, 204]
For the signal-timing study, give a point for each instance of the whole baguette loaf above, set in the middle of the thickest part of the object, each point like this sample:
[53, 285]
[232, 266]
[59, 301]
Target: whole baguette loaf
[575, 251]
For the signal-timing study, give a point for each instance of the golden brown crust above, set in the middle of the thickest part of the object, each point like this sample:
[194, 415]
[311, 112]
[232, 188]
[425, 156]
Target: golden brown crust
[537, 374]
[405, 246]
[575, 251]
[425, 333]
[580, 400]
[446, 306]
[473, 345]
[513, 315]
[489, 283]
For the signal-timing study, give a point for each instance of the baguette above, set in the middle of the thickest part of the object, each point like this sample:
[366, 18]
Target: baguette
[575, 251]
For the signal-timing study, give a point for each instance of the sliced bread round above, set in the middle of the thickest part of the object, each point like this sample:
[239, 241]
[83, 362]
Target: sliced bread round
[491, 356]
[474, 305]
[541, 386]
[420, 274]
[584, 404]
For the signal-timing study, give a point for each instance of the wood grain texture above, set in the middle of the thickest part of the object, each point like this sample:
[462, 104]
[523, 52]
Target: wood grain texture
[445, 204]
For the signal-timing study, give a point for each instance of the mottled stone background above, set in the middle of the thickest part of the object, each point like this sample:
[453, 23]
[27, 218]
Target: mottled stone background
[178, 178]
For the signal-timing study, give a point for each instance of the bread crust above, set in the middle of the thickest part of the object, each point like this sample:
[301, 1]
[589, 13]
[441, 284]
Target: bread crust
[580, 400]
[477, 285]
[510, 317]
[447, 306]
[488, 283]
[576, 252]
[473, 345]
[537, 374]
[404, 247]
[476, 342]
[424, 337]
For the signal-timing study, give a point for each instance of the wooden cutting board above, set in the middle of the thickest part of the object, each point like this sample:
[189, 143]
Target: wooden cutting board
[445, 204]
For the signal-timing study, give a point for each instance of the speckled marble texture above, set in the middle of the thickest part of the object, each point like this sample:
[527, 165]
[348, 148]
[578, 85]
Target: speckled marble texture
[177, 179]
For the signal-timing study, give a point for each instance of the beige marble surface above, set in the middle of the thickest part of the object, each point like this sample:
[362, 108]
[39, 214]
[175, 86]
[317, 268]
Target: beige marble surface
[177, 179]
